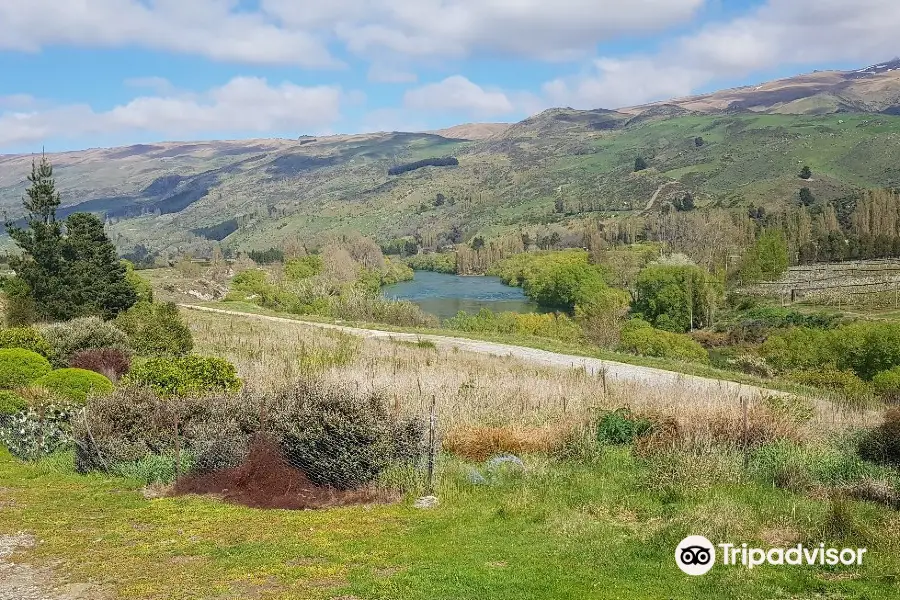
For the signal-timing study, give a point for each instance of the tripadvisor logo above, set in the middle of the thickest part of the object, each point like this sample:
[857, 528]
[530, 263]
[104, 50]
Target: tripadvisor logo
[696, 555]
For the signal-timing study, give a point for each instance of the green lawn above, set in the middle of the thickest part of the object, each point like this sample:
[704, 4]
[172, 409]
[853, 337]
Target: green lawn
[600, 530]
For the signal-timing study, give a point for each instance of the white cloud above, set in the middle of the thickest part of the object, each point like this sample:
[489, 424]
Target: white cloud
[299, 32]
[380, 73]
[159, 85]
[780, 33]
[458, 94]
[210, 28]
[244, 104]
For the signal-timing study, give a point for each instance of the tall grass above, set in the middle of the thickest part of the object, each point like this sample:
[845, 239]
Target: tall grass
[477, 390]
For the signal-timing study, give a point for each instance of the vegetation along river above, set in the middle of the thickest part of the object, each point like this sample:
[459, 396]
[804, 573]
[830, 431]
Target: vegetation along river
[445, 295]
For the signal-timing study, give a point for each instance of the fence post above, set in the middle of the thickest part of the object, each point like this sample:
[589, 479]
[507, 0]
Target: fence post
[432, 425]
[177, 449]
[745, 434]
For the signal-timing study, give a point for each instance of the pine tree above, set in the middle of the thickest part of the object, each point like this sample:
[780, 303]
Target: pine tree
[40, 264]
[96, 276]
[639, 164]
[805, 172]
[66, 276]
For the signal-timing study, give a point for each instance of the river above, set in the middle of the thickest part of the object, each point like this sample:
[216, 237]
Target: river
[444, 295]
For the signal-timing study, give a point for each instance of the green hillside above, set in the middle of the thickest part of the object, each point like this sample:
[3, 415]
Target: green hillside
[265, 193]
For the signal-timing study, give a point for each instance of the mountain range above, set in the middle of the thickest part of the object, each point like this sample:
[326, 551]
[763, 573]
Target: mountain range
[731, 148]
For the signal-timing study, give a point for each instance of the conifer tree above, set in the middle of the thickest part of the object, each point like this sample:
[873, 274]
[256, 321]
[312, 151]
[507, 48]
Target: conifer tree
[66, 274]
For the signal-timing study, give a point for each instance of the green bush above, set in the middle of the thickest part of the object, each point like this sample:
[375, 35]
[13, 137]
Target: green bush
[555, 326]
[11, 403]
[887, 384]
[302, 268]
[142, 288]
[437, 262]
[620, 426]
[843, 382]
[639, 337]
[25, 337]
[75, 384]
[866, 348]
[87, 333]
[185, 375]
[671, 296]
[156, 329]
[19, 367]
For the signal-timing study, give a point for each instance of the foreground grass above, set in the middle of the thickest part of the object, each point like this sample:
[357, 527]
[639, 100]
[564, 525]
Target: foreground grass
[563, 530]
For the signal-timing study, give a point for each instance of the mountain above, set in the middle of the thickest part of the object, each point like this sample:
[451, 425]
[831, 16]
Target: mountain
[873, 89]
[733, 148]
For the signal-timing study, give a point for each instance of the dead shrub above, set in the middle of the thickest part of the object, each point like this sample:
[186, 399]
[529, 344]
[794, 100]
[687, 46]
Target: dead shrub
[664, 436]
[875, 490]
[480, 443]
[109, 362]
[882, 444]
[765, 424]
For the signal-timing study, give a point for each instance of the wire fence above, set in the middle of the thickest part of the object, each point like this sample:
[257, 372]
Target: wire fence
[308, 446]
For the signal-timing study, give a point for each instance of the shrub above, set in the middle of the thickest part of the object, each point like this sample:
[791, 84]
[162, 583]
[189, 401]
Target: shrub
[38, 431]
[25, 337]
[887, 384]
[87, 333]
[674, 297]
[341, 438]
[621, 426]
[109, 362]
[19, 367]
[752, 365]
[302, 268]
[185, 375]
[639, 337]
[156, 329]
[556, 326]
[10, 404]
[75, 384]
[361, 306]
[882, 444]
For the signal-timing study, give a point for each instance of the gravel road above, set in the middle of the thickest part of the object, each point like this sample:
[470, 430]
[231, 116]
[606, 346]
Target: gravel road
[615, 371]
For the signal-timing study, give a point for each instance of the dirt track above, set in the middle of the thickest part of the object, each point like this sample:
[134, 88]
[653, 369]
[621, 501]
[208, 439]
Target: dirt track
[615, 371]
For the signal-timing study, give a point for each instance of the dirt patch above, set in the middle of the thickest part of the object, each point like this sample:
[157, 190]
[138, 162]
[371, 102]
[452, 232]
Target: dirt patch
[20, 581]
[266, 480]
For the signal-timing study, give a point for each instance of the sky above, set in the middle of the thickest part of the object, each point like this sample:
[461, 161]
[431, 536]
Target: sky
[80, 74]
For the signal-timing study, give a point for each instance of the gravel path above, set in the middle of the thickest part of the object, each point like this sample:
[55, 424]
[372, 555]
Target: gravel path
[20, 581]
[615, 371]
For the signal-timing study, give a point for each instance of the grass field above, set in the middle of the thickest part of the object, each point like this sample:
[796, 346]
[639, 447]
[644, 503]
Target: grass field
[604, 530]
[580, 522]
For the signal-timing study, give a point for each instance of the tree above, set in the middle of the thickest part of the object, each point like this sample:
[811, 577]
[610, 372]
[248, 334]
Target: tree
[698, 141]
[805, 172]
[66, 276]
[806, 197]
[526, 240]
[439, 199]
[639, 164]
[477, 243]
[675, 297]
[767, 259]
[559, 205]
[40, 265]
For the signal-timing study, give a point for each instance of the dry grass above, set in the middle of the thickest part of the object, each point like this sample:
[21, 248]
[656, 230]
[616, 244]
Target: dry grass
[505, 402]
[480, 443]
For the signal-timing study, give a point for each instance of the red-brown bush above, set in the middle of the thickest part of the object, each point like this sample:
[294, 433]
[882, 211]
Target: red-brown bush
[111, 362]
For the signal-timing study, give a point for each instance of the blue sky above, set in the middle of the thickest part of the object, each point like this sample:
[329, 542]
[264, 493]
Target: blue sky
[114, 72]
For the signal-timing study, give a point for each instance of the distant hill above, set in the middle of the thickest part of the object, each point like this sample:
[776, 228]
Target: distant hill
[733, 148]
[472, 131]
[872, 89]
